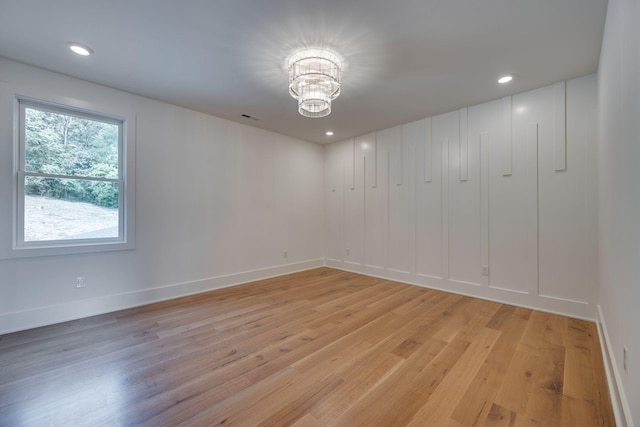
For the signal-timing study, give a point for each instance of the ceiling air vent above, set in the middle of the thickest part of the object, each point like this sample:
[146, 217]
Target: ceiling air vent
[246, 116]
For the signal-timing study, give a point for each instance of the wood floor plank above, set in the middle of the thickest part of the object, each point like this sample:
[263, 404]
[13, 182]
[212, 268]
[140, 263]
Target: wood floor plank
[362, 377]
[440, 406]
[321, 347]
[400, 394]
[478, 399]
[545, 401]
[518, 381]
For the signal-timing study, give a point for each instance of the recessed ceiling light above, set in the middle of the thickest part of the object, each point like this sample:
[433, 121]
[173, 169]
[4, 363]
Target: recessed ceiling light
[80, 49]
[329, 133]
[505, 79]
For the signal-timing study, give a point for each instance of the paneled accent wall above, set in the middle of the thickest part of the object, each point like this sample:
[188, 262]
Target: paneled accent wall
[494, 200]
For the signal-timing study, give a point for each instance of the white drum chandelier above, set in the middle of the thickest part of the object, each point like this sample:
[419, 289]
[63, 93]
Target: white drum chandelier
[314, 80]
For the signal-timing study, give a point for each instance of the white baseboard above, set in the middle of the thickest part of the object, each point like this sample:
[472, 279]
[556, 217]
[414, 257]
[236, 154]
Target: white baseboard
[543, 303]
[621, 409]
[42, 316]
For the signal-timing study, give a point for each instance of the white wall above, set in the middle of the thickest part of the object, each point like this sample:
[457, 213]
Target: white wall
[619, 196]
[217, 203]
[508, 184]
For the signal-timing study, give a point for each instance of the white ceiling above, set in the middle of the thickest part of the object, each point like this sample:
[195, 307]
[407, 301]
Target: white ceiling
[405, 59]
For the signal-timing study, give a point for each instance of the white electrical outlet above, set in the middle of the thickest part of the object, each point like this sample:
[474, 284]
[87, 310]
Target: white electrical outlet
[80, 282]
[484, 270]
[285, 254]
[624, 358]
[348, 251]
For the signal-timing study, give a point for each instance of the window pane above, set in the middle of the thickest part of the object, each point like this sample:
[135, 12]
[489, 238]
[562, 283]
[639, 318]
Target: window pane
[63, 144]
[63, 209]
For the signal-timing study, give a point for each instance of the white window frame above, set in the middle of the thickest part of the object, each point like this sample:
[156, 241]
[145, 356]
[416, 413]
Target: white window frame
[125, 181]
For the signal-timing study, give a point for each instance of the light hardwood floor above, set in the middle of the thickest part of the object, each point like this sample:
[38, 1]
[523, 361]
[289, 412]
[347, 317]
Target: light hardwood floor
[317, 348]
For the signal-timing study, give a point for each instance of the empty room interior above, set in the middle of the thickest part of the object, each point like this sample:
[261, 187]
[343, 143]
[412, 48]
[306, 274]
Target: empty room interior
[319, 213]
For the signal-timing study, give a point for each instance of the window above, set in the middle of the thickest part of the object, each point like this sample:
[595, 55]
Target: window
[71, 180]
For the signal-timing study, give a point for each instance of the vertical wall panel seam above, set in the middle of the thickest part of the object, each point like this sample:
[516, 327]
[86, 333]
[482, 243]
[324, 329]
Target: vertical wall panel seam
[234, 191]
[363, 260]
[442, 222]
[480, 200]
[448, 213]
[401, 169]
[537, 209]
[416, 188]
[344, 210]
[388, 205]
[532, 139]
[413, 184]
[488, 224]
[485, 210]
